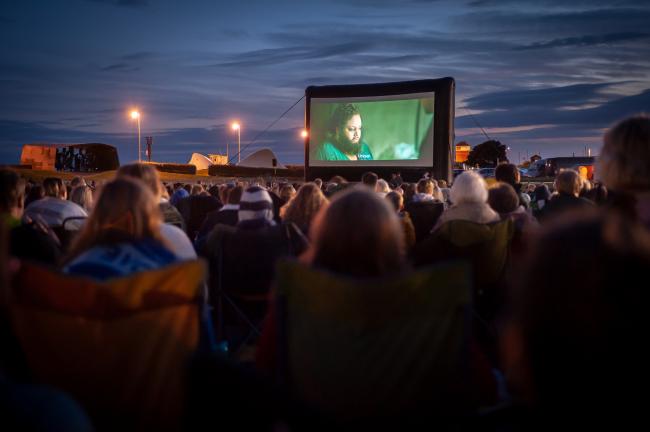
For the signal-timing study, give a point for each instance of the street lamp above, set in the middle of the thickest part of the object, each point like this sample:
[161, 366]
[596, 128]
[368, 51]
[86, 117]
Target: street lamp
[304, 133]
[135, 115]
[237, 127]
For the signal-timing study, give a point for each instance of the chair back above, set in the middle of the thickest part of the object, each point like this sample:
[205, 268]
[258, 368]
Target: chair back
[374, 348]
[119, 347]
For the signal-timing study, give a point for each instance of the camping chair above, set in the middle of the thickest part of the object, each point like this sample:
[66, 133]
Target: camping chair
[120, 347]
[69, 229]
[242, 265]
[487, 248]
[360, 349]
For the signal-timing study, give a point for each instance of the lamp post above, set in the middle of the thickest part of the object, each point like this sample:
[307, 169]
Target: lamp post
[236, 126]
[135, 115]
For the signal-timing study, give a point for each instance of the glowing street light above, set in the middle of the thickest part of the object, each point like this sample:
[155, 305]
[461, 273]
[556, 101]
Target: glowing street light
[304, 133]
[135, 115]
[236, 126]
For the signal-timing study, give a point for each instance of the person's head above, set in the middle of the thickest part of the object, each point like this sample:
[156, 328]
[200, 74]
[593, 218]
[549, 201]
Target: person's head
[196, 189]
[77, 181]
[125, 210]
[145, 173]
[382, 186]
[358, 234]
[12, 193]
[51, 187]
[469, 187]
[255, 204]
[306, 204]
[287, 192]
[425, 186]
[234, 196]
[319, 182]
[568, 182]
[82, 196]
[624, 161]
[338, 180]
[502, 198]
[442, 183]
[214, 191]
[530, 188]
[396, 200]
[346, 127]
[507, 173]
[36, 193]
[370, 179]
[578, 314]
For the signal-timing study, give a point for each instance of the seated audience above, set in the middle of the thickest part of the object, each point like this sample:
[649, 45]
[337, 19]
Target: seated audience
[122, 236]
[397, 201]
[424, 209]
[469, 197]
[572, 349]
[623, 166]
[568, 185]
[54, 208]
[82, 195]
[508, 173]
[226, 215]
[303, 208]
[174, 236]
[27, 240]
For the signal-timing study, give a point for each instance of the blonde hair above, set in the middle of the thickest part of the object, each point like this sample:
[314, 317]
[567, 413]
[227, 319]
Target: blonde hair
[624, 161]
[82, 196]
[302, 209]
[148, 174]
[125, 211]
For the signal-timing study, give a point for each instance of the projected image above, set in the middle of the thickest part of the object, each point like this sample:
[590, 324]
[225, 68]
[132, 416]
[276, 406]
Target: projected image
[371, 129]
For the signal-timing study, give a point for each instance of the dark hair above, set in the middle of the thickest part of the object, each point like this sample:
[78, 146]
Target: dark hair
[234, 195]
[395, 199]
[369, 179]
[51, 187]
[342, 113]
[502, 198]
[507, 173]
[579, 316]
[12, 190]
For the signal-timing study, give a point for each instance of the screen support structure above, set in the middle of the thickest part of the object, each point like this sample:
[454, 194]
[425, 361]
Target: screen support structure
[443, 128]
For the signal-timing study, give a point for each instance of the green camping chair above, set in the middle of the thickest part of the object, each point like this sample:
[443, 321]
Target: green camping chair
[358, 349]
[485, 246]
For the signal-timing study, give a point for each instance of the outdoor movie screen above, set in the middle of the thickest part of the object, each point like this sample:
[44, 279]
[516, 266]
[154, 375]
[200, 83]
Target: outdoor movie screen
[395, 130]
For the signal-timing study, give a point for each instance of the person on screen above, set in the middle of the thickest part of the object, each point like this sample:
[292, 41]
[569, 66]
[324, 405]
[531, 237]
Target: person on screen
[344, 140]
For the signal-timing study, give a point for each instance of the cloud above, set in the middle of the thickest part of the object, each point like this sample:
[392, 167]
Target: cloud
[117, 66]
[275, 56]
[546, 98]
[587, 40]
[125, 3]
[142, 55]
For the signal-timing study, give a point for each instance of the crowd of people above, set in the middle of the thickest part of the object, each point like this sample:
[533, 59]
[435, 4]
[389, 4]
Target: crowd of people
[534, 293]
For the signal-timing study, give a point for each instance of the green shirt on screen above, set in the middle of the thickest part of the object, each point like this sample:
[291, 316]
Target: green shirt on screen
[329, 152]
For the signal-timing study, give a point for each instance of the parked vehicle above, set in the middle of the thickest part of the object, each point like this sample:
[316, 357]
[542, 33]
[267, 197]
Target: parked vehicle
[551, 166]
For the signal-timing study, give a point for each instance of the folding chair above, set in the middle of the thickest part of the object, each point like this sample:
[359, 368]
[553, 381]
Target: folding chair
[120, 347]
[374, 349]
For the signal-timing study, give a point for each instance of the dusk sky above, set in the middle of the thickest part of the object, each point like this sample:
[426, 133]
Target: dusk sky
[546, 76]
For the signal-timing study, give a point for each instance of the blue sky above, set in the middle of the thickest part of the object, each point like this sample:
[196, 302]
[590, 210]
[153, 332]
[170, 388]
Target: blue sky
[547, 76]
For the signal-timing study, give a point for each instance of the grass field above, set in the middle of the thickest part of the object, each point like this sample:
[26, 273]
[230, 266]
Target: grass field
[38, 176]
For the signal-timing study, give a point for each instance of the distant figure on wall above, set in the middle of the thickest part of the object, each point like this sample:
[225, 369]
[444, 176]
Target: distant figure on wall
[344, 139]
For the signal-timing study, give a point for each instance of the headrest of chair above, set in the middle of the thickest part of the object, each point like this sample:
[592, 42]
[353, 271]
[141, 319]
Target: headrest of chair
[177, 284]
[440, 286]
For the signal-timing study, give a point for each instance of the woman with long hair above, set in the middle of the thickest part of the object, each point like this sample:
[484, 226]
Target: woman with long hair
[122, 235]
[302, 209]
[358, 234]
